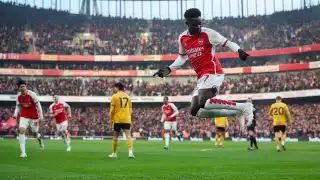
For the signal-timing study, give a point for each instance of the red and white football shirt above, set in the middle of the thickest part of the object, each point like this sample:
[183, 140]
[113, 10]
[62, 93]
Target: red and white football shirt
[168, 110]
[59, 110]
[201, 50]
[28, 104]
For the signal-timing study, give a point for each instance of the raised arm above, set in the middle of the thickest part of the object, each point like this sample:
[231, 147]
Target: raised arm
[217, 39]
[180, 60]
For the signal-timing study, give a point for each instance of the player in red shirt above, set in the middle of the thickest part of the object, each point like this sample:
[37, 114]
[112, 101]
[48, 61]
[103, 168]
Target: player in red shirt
[57, 110]
[30, 111]
[197, 44]
[169, 117]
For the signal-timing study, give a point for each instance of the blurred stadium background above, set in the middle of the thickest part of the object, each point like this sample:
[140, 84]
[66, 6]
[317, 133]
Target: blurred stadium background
[80, 57]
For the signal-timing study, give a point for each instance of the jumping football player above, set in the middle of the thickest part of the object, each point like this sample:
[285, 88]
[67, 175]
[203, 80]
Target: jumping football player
[120, 115]
[221, 124]
[281, 116]
[57, 110]
[29, 109]
[198, 44]
[169, 117]
[251, 130]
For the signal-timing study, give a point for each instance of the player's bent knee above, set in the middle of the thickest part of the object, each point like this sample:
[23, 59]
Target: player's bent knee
[22, 130]
[205, 94]
[194, 111]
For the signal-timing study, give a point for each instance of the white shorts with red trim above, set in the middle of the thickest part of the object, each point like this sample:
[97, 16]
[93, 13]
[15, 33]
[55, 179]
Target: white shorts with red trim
[208, 81]
[27, 122]
[62, 126]
[170, 126]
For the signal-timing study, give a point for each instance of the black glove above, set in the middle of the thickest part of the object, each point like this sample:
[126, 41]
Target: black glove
[243, 55]
[163, 72]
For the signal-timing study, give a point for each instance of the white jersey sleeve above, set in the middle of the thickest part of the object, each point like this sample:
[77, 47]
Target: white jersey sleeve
[176, 111]
[34, 96]
[215, 38]
[37, 102]
[163, 115]
[18, 107]
[66, 105]
[51, 109]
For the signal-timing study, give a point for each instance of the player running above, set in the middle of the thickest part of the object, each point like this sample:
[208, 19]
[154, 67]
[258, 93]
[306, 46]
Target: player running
[30, 111]
[221, 124]
[198, 44]
[281, 115]
[120, 115]
[251, 130]
[57, 110]
[169, 117]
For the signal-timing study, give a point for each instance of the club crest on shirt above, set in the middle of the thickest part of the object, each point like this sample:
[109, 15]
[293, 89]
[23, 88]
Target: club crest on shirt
[200, 41]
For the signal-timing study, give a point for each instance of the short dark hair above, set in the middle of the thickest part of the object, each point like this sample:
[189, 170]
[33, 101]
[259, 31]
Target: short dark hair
[166, 97]
[192, 13]
[119, 85]
[21, 82]
[278, 98]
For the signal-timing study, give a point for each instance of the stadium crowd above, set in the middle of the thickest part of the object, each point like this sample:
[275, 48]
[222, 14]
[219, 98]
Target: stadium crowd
[53, 32]
[93, 121]
[251, 83]
[226, 63]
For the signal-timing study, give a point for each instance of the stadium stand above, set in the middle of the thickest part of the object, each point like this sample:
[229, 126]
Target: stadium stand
[234, 84]
[54, 32]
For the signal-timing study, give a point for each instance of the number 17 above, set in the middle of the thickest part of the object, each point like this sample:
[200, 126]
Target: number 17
[126, 102]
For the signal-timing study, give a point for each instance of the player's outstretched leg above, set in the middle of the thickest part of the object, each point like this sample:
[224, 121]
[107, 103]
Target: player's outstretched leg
[40, 140]
[283, 140]
[197, 107]
[245, 108]
[221, 139]
[129, 143]
[114, 145]
[253, 140]
[66, 140]
[217, 140]
[204, 105]
[277, 141]
[22, 142]
[35, 129]
[166, 139]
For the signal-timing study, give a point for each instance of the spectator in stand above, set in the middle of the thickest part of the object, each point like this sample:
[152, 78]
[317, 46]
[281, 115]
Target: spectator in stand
[226, 63]
[252, 83]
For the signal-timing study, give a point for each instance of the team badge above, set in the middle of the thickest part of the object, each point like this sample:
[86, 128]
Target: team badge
[200, 41]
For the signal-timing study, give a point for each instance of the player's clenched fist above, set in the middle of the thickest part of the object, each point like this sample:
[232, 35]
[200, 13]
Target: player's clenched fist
[243, 55]
[163, 72]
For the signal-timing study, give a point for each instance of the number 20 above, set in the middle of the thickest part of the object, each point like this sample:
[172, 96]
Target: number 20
[123, 105]
[278, 111]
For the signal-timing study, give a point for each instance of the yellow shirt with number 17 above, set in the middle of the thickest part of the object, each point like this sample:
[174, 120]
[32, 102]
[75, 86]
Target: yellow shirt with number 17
[120, 108]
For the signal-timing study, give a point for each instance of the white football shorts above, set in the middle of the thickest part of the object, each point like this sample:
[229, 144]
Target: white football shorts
[26, 122]
[208, 81]
[62, 126]
[170, 126]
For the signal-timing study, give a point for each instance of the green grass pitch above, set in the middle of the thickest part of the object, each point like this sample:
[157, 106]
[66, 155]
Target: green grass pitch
[185, 160]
